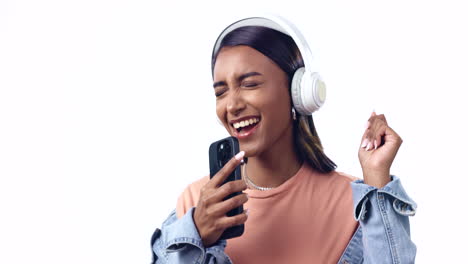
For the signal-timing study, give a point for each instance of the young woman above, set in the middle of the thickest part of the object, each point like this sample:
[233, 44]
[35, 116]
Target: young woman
[298, 208]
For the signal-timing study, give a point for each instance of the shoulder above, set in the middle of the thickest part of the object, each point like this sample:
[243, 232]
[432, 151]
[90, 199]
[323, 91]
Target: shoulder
[338, 190]
[333, 176]
[341, 180]
[190, 195]
[345, 176]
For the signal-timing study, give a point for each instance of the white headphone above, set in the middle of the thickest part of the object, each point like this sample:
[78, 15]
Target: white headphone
[308, 91]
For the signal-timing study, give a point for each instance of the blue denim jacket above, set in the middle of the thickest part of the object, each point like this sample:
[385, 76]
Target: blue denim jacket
[383, 235]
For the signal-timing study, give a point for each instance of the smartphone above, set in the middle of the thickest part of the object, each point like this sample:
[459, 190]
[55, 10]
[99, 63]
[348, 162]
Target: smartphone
[221, 152]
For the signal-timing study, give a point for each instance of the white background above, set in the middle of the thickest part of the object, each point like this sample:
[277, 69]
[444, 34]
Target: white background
[107, 112]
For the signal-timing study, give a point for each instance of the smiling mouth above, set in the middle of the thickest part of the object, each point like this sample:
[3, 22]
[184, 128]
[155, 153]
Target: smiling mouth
[247, 125]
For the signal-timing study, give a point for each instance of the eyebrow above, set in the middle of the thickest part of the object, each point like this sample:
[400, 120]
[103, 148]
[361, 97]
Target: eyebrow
[239, 79]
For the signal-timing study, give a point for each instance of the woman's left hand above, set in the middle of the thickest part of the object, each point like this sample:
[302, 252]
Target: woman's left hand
[379, 146]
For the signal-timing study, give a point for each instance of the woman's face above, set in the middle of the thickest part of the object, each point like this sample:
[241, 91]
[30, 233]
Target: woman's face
[252, 99]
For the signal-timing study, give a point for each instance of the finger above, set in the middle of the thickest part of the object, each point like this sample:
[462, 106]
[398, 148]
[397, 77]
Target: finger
[392, 136]
[391, 142]
[364, 142]
[368, 135]
[382, 117]
[375, 116]
[222, 174]
[368, 141]
[370, 145]
[365, 137]
[367, 130]
[368, 126]
[230, 221]
[225, 206]
[227, 189]
[380, 135]
[378, 132]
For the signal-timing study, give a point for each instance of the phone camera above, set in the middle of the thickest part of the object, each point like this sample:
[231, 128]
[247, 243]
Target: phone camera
[224, 150]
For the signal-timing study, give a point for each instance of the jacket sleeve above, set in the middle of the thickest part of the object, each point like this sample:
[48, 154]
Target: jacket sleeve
[178, 242]
[383, 215]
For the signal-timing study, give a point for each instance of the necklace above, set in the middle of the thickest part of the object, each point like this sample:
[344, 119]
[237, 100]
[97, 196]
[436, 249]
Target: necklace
[250, 183]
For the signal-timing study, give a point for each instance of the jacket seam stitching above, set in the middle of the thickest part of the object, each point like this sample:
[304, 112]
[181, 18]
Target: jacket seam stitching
[388, 231]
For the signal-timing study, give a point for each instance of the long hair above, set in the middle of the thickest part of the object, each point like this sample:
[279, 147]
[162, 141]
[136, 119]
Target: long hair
[282, 50]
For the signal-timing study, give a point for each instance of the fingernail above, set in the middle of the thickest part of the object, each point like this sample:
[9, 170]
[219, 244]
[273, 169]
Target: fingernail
[247, 211]
[368, 146]
[240, 155]
[375, 144]
[364, 143]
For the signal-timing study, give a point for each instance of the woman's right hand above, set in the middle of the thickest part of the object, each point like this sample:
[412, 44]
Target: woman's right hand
[210, 214]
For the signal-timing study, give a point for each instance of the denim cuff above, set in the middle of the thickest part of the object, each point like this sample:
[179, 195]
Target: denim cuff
[183, 232]
[402, 203]
[179, 241]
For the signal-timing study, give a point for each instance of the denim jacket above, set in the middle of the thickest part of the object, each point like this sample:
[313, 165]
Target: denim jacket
[383, 235]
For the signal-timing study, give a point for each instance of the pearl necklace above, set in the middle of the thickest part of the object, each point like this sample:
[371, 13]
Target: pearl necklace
[249, 182]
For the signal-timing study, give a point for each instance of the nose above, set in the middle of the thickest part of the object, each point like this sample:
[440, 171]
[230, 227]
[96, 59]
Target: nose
[235, 103]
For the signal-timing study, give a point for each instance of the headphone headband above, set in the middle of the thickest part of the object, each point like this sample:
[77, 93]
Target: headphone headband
[277, 23]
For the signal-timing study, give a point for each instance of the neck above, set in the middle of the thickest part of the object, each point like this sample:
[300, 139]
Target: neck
[276, 165]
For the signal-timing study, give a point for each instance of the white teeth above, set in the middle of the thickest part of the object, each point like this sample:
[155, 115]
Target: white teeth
[245, 123]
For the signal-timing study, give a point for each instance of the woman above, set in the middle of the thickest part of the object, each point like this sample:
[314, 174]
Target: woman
[298, 208]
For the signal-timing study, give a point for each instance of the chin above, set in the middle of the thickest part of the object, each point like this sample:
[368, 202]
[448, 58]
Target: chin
[251, 150]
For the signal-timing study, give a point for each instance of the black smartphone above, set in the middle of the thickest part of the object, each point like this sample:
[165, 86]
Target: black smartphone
[221, 152]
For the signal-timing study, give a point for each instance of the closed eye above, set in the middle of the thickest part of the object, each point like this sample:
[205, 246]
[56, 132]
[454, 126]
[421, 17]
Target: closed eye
[250, 84]
[220, 91]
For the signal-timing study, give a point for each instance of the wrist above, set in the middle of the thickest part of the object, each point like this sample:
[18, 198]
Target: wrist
[377, 179]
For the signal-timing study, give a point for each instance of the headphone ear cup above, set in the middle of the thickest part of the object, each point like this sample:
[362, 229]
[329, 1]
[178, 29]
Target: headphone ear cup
[308, 91]
[320, 90]
[316, 96]
[296, 90]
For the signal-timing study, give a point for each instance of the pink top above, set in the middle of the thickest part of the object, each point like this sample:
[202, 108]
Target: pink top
[307, 219]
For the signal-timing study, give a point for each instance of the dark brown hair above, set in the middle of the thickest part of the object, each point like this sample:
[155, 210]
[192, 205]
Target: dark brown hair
[282, 49]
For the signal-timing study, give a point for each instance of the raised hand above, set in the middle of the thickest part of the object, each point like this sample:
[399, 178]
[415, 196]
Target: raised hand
[379, 146]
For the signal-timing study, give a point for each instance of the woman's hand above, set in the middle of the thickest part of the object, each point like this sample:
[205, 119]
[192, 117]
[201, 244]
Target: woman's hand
[210, 214]
[379, 146]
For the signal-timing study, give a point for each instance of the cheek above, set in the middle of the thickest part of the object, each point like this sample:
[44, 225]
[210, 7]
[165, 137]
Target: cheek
[220, 109]
[221, 113]
[278, 104]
